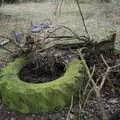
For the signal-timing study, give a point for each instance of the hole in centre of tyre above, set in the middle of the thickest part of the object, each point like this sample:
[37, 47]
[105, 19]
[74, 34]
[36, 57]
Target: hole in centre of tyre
[42, 70]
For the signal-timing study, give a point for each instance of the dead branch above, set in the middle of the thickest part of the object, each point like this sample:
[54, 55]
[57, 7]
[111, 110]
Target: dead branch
[81, 14]
[96, 88]
[67, 28]
[11, 40]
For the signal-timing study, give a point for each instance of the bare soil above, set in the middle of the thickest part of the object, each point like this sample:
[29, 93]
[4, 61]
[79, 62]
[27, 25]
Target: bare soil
[41, 70]
[109, 94]
[100, 19]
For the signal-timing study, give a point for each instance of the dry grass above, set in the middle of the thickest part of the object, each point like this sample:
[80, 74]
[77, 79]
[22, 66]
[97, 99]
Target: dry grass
[99, 18]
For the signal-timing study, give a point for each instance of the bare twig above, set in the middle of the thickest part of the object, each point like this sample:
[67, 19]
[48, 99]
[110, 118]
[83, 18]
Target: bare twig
[11, 40]
[58, 6]
[96, 88]
[67, 28]
[104, 61]
[83, 38]
[115, 66]
[87, 70]
[71, 105]
[80, 11]
[88, 83]
[6, 49]
[104, 78]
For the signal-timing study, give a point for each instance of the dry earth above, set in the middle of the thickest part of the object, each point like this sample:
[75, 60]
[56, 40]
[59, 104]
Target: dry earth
[100, 18]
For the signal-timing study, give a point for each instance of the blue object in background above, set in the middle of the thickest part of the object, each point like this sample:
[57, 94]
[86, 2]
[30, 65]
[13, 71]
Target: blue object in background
[18, 36]
[37, 28]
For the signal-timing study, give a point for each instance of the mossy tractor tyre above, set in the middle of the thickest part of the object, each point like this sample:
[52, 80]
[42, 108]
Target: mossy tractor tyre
[41, 97]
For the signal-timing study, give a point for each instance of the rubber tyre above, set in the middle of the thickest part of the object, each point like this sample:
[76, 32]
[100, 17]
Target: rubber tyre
[41, 97]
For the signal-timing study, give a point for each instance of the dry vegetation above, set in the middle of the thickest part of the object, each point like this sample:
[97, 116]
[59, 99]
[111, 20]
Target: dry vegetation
[98, 97]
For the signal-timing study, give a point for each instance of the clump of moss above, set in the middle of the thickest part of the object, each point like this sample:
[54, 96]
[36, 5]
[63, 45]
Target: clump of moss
[43, 97]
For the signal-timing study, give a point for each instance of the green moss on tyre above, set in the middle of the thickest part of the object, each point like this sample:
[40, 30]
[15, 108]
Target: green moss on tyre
[41, 97]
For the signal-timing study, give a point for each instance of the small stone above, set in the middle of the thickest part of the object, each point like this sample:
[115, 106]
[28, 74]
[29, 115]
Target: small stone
[33, 115]
[107, 106]
[113, 101]
[50, 116]
[12, 118]
[62, 118]
[8, 112]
